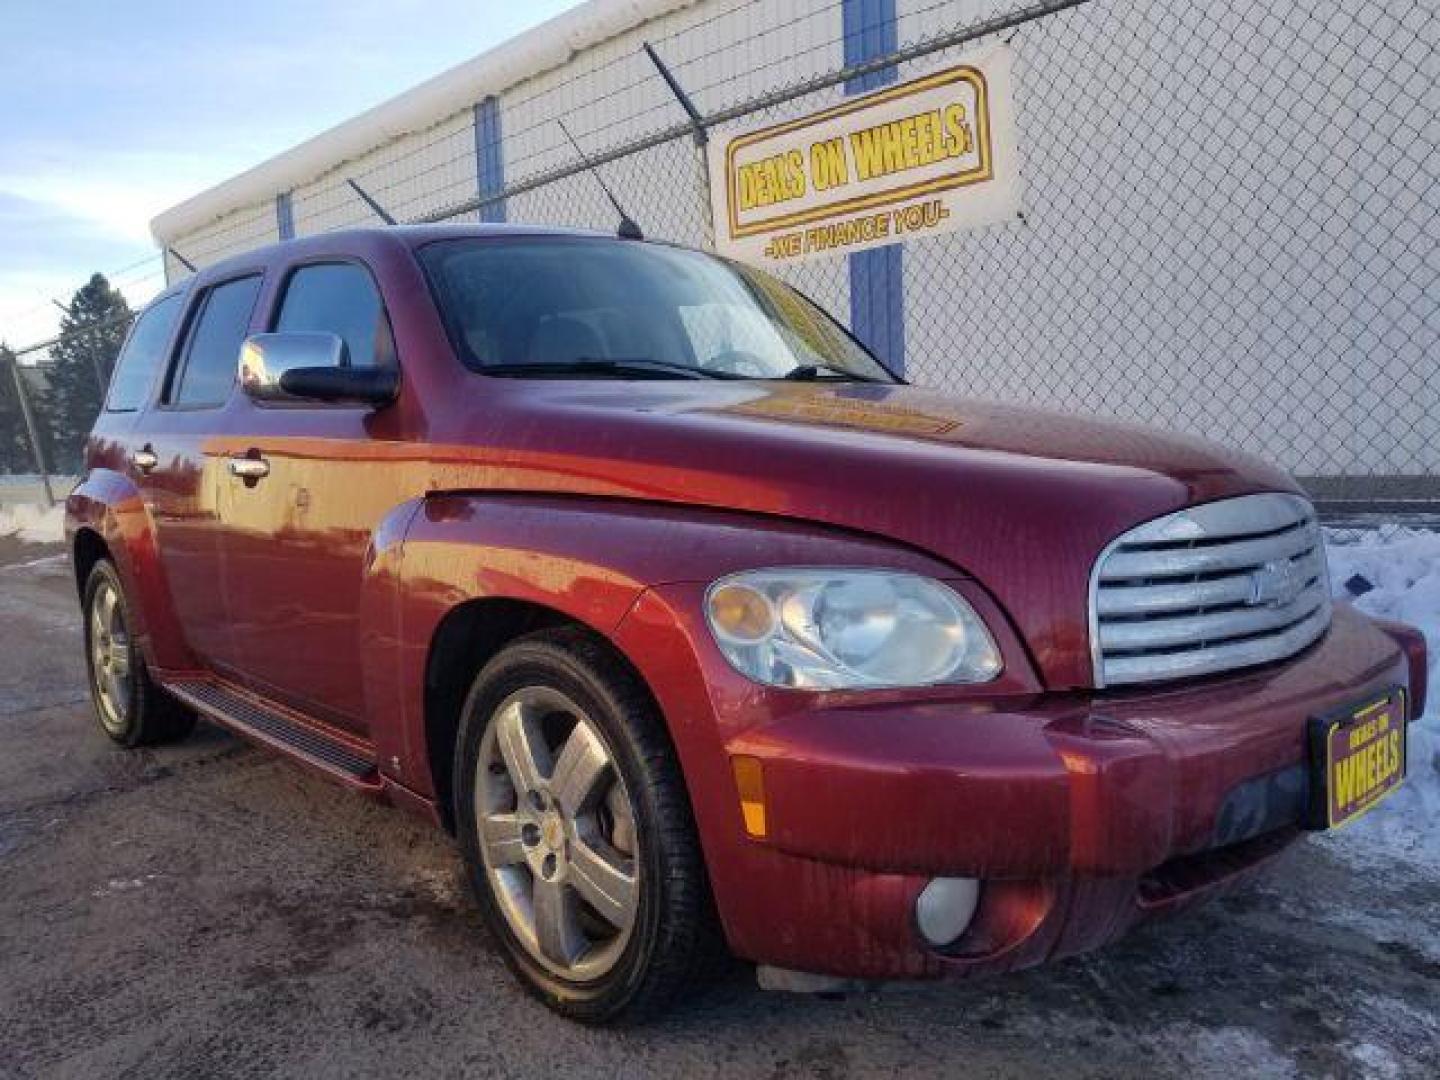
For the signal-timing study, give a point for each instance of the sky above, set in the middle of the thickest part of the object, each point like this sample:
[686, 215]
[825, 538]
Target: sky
[112, 112]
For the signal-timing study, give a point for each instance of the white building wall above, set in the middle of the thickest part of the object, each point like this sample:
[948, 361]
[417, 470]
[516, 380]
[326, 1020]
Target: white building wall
[1221, 228]
[242, 229]
[1204, 200]
[410, 176]
[722, 52]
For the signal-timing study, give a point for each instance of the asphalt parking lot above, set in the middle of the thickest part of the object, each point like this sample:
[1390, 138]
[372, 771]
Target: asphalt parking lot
[206, 910]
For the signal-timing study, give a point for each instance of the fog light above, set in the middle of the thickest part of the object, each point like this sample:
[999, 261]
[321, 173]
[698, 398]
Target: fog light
[945, 907]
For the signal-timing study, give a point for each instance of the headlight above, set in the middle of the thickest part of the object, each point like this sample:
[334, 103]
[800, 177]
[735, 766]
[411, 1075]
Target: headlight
[836, 629]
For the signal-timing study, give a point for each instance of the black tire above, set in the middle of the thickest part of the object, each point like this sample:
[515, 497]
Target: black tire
[135, 712]
[673, 943]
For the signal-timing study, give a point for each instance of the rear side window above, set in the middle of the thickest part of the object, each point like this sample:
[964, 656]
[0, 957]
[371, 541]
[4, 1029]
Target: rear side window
[212, 350]
[339, 298]
[140, 359]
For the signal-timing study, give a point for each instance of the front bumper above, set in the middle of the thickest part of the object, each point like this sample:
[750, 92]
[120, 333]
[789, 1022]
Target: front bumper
[1081, 813]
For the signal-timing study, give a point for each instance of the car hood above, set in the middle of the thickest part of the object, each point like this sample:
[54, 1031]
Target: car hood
[1022, 500]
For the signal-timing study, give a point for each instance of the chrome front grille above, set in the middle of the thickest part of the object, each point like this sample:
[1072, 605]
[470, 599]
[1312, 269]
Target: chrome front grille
[1211, 588]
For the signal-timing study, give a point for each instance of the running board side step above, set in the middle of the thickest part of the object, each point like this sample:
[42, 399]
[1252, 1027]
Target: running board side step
[279, 729]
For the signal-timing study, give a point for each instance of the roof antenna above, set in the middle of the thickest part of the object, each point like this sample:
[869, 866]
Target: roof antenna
[379, 210]
[627, 230]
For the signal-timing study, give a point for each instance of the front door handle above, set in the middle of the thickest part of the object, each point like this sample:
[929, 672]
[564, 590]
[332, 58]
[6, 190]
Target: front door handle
[249, 468]
[145, 459]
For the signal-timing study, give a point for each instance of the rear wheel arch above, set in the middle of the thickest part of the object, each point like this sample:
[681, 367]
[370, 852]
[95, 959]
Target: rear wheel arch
[131, 707]
[88, 548]
[109, 519]
[100, 512]
[92, 546]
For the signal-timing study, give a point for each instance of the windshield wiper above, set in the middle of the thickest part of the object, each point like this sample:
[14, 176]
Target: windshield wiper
[824, 372]
[617, 368]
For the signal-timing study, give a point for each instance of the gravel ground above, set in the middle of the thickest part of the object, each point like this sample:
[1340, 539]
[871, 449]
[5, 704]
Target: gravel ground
[206, 910]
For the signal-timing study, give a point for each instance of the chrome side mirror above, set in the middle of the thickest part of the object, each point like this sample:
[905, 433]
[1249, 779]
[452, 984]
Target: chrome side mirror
[265, 358]
[311, 367]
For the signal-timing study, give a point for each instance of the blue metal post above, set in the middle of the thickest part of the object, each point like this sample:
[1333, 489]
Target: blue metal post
[284, 216]
[489, 162]
[877, 280]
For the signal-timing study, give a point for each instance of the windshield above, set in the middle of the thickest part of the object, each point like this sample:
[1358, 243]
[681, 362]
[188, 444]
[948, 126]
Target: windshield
[583, 307]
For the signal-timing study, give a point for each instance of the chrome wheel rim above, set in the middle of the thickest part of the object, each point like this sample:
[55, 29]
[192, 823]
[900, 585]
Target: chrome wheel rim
[557, 834]
[110, 657]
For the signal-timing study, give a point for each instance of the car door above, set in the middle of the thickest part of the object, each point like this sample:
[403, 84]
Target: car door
[179, 479]
[296, 538]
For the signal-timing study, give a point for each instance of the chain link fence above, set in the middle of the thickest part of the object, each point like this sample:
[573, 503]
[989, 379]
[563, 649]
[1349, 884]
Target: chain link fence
[1231, 209]
[51, 390]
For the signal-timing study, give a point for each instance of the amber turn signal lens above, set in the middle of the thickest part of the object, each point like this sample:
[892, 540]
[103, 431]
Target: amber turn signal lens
[750, 783]
[741, 613]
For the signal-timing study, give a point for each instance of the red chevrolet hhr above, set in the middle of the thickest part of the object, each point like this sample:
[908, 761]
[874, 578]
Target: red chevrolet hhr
[698, 627]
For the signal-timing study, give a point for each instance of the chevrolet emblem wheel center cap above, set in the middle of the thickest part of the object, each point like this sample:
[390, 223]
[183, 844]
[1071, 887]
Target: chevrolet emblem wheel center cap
[552, 831]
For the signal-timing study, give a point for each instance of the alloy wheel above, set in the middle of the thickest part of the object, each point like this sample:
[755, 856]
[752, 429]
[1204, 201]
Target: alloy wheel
[110, 657]
[557, 834]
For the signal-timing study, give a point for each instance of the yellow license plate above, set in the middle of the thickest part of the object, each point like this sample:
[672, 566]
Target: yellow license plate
[1362, 750]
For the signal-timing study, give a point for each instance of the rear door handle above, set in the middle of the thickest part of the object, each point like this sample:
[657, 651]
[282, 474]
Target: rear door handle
[145, 459]
[249, 468]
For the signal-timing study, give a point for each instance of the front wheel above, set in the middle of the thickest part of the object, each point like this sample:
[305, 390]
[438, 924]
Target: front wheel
[577, 832]
[131, 709]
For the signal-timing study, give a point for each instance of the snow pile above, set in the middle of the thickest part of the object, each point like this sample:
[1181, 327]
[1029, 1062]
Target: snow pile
[1394, 572]
[33, 524]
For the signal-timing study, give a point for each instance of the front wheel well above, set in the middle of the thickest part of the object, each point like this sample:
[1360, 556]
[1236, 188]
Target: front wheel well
[468, 637]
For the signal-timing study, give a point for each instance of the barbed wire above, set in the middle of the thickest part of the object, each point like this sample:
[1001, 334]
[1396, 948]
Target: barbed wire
[19, 315]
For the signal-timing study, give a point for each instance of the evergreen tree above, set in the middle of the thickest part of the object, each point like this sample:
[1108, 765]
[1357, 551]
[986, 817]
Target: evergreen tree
[91, 334]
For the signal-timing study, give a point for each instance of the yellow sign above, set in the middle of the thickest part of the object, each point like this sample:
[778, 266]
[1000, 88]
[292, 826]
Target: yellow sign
[933, 154]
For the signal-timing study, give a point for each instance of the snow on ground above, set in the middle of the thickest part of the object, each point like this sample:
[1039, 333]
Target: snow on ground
[22, 508]
[1396, 573]
[32, 524]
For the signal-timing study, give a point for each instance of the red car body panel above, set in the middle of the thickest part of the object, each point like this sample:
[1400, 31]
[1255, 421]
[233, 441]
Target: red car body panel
[1096, 790]
[322, 588]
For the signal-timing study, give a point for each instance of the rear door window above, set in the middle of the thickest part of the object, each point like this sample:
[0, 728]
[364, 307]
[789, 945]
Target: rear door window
[212, 349]
[339, 298]
[141, 357]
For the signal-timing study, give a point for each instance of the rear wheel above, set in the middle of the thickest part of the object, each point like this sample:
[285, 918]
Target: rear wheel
[131, 709]
[577, 833]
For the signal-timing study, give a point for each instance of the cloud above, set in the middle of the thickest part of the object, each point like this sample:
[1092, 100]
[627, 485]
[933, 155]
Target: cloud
[116, 193]
[50, 252]
[115, 112]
